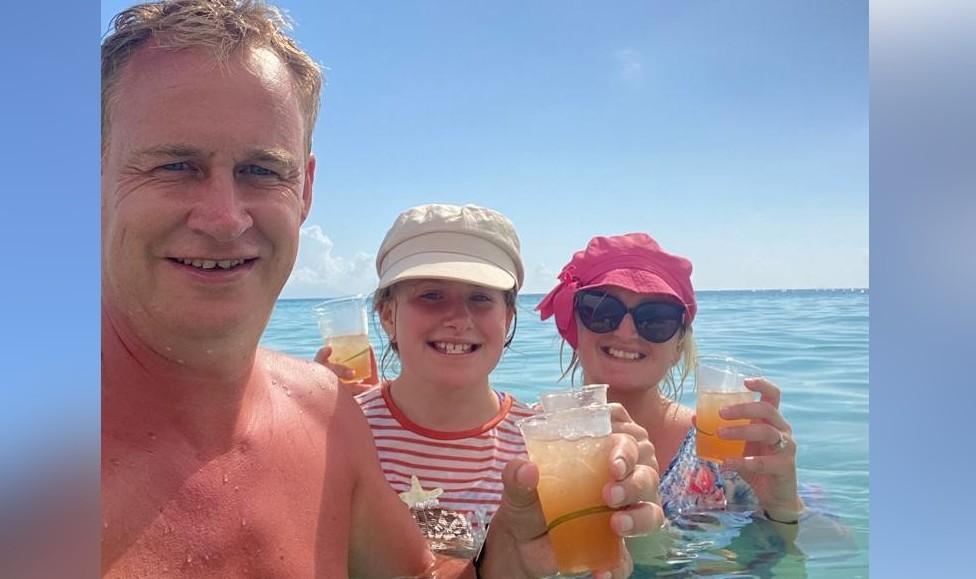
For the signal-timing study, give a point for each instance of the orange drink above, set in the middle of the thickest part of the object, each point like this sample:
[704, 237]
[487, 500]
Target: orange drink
[710, 446]
[720, 382]
[572, 450]
[342, 322]
[351, 351]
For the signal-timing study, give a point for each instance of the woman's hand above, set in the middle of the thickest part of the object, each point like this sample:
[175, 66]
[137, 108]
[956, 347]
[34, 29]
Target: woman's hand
[622, 422]
[346, 373]
[769, 465]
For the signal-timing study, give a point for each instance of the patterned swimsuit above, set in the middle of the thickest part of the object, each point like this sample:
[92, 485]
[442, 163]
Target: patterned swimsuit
[692, 485]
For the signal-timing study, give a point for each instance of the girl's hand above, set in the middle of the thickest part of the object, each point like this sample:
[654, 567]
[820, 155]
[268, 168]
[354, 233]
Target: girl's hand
[346, 373]
[769, 465]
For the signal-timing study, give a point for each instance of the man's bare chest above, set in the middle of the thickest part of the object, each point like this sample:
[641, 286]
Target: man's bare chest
[227, 516]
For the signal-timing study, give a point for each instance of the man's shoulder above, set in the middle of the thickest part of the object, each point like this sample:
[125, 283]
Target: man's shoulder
[290, 370]
[305, 382]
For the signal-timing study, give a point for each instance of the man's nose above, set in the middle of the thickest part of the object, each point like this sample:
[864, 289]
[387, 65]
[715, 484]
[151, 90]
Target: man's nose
[220, 212]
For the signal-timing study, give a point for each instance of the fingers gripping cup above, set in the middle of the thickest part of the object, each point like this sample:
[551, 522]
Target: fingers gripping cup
[572, 450]
[342, 322]
[720, 382]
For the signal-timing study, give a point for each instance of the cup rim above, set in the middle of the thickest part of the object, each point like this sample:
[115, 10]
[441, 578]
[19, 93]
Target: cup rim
[722, 362]
[734, 373]
[339, 300]
[546, 416]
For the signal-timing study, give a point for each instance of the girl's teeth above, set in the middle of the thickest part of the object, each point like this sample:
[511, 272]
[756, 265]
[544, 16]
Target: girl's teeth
[622, 354]
[449, 348]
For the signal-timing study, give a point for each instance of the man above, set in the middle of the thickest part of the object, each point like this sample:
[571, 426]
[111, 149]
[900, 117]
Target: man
[220, 459]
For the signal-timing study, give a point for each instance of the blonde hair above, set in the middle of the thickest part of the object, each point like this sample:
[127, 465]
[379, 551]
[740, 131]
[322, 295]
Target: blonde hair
[218, 26]
[391, 353]
[672, 386]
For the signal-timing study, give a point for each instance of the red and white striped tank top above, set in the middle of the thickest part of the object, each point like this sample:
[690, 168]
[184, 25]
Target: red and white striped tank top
[466, 465]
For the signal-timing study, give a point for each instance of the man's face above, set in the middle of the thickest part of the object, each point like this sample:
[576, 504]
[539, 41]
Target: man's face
[205, 184]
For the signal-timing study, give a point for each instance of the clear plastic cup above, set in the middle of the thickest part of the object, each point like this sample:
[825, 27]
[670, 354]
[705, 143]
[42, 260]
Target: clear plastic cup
[572, 450]
[587, 395]
[720, 382]
[343, 325]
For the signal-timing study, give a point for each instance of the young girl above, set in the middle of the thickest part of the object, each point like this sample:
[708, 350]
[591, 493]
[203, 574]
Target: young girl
[446, 301]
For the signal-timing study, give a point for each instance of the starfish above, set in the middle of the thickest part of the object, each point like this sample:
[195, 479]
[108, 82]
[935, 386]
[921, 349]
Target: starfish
[417, 494]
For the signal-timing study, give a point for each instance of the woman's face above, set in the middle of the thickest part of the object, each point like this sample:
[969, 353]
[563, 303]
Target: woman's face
[448, 333]
[622, 358]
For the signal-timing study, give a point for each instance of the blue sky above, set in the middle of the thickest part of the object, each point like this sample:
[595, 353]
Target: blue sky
[736, 133]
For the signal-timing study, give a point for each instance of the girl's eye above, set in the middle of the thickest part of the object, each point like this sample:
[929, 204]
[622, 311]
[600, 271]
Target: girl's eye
[481, 298]
[431, 295]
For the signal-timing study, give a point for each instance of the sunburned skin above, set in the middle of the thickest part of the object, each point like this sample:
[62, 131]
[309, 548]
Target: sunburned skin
[254, 500]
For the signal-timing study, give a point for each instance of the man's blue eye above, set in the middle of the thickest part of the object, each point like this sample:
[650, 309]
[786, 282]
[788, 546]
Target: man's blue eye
[258, 171]
[177, 166]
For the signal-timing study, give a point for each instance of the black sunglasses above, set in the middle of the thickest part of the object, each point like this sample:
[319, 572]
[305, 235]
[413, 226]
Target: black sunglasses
[656, 322]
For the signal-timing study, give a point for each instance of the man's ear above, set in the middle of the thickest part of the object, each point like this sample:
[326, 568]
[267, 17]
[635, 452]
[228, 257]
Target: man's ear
[307, 188]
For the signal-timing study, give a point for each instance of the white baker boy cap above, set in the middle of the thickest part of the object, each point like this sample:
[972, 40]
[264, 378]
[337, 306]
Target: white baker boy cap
[462, 243]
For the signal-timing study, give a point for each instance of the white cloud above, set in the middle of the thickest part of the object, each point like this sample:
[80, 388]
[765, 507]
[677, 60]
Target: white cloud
[630, 66]
[320, 273]
[539, 279]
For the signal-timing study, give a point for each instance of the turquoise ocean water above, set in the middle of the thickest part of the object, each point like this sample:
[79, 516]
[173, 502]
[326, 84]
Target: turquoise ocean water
[813, 343]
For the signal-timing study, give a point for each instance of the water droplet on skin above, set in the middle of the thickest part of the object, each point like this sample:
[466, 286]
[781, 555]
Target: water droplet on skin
[179, 361]
[243, 523]
[237, 488]
[225, 479]
[105, 525]
[287, 392]
[114, 461]
[208, 351]
[189, 558]
[152, 435]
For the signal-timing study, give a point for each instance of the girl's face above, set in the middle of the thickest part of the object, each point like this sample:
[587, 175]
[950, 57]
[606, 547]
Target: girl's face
[448, 333]
[622, 358]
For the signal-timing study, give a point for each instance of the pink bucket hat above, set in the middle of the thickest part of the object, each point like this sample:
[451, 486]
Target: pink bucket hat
[633, 261]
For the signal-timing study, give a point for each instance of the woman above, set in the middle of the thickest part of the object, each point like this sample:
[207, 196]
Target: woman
[626, 308]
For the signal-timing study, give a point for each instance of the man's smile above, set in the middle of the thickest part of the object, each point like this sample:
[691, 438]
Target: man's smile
[211, 263]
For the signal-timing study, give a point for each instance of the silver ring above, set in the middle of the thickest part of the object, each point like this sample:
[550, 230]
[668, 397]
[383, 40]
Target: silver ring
[780, 444]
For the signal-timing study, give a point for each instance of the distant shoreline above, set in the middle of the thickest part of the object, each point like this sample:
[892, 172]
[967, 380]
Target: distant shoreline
[698, 292]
